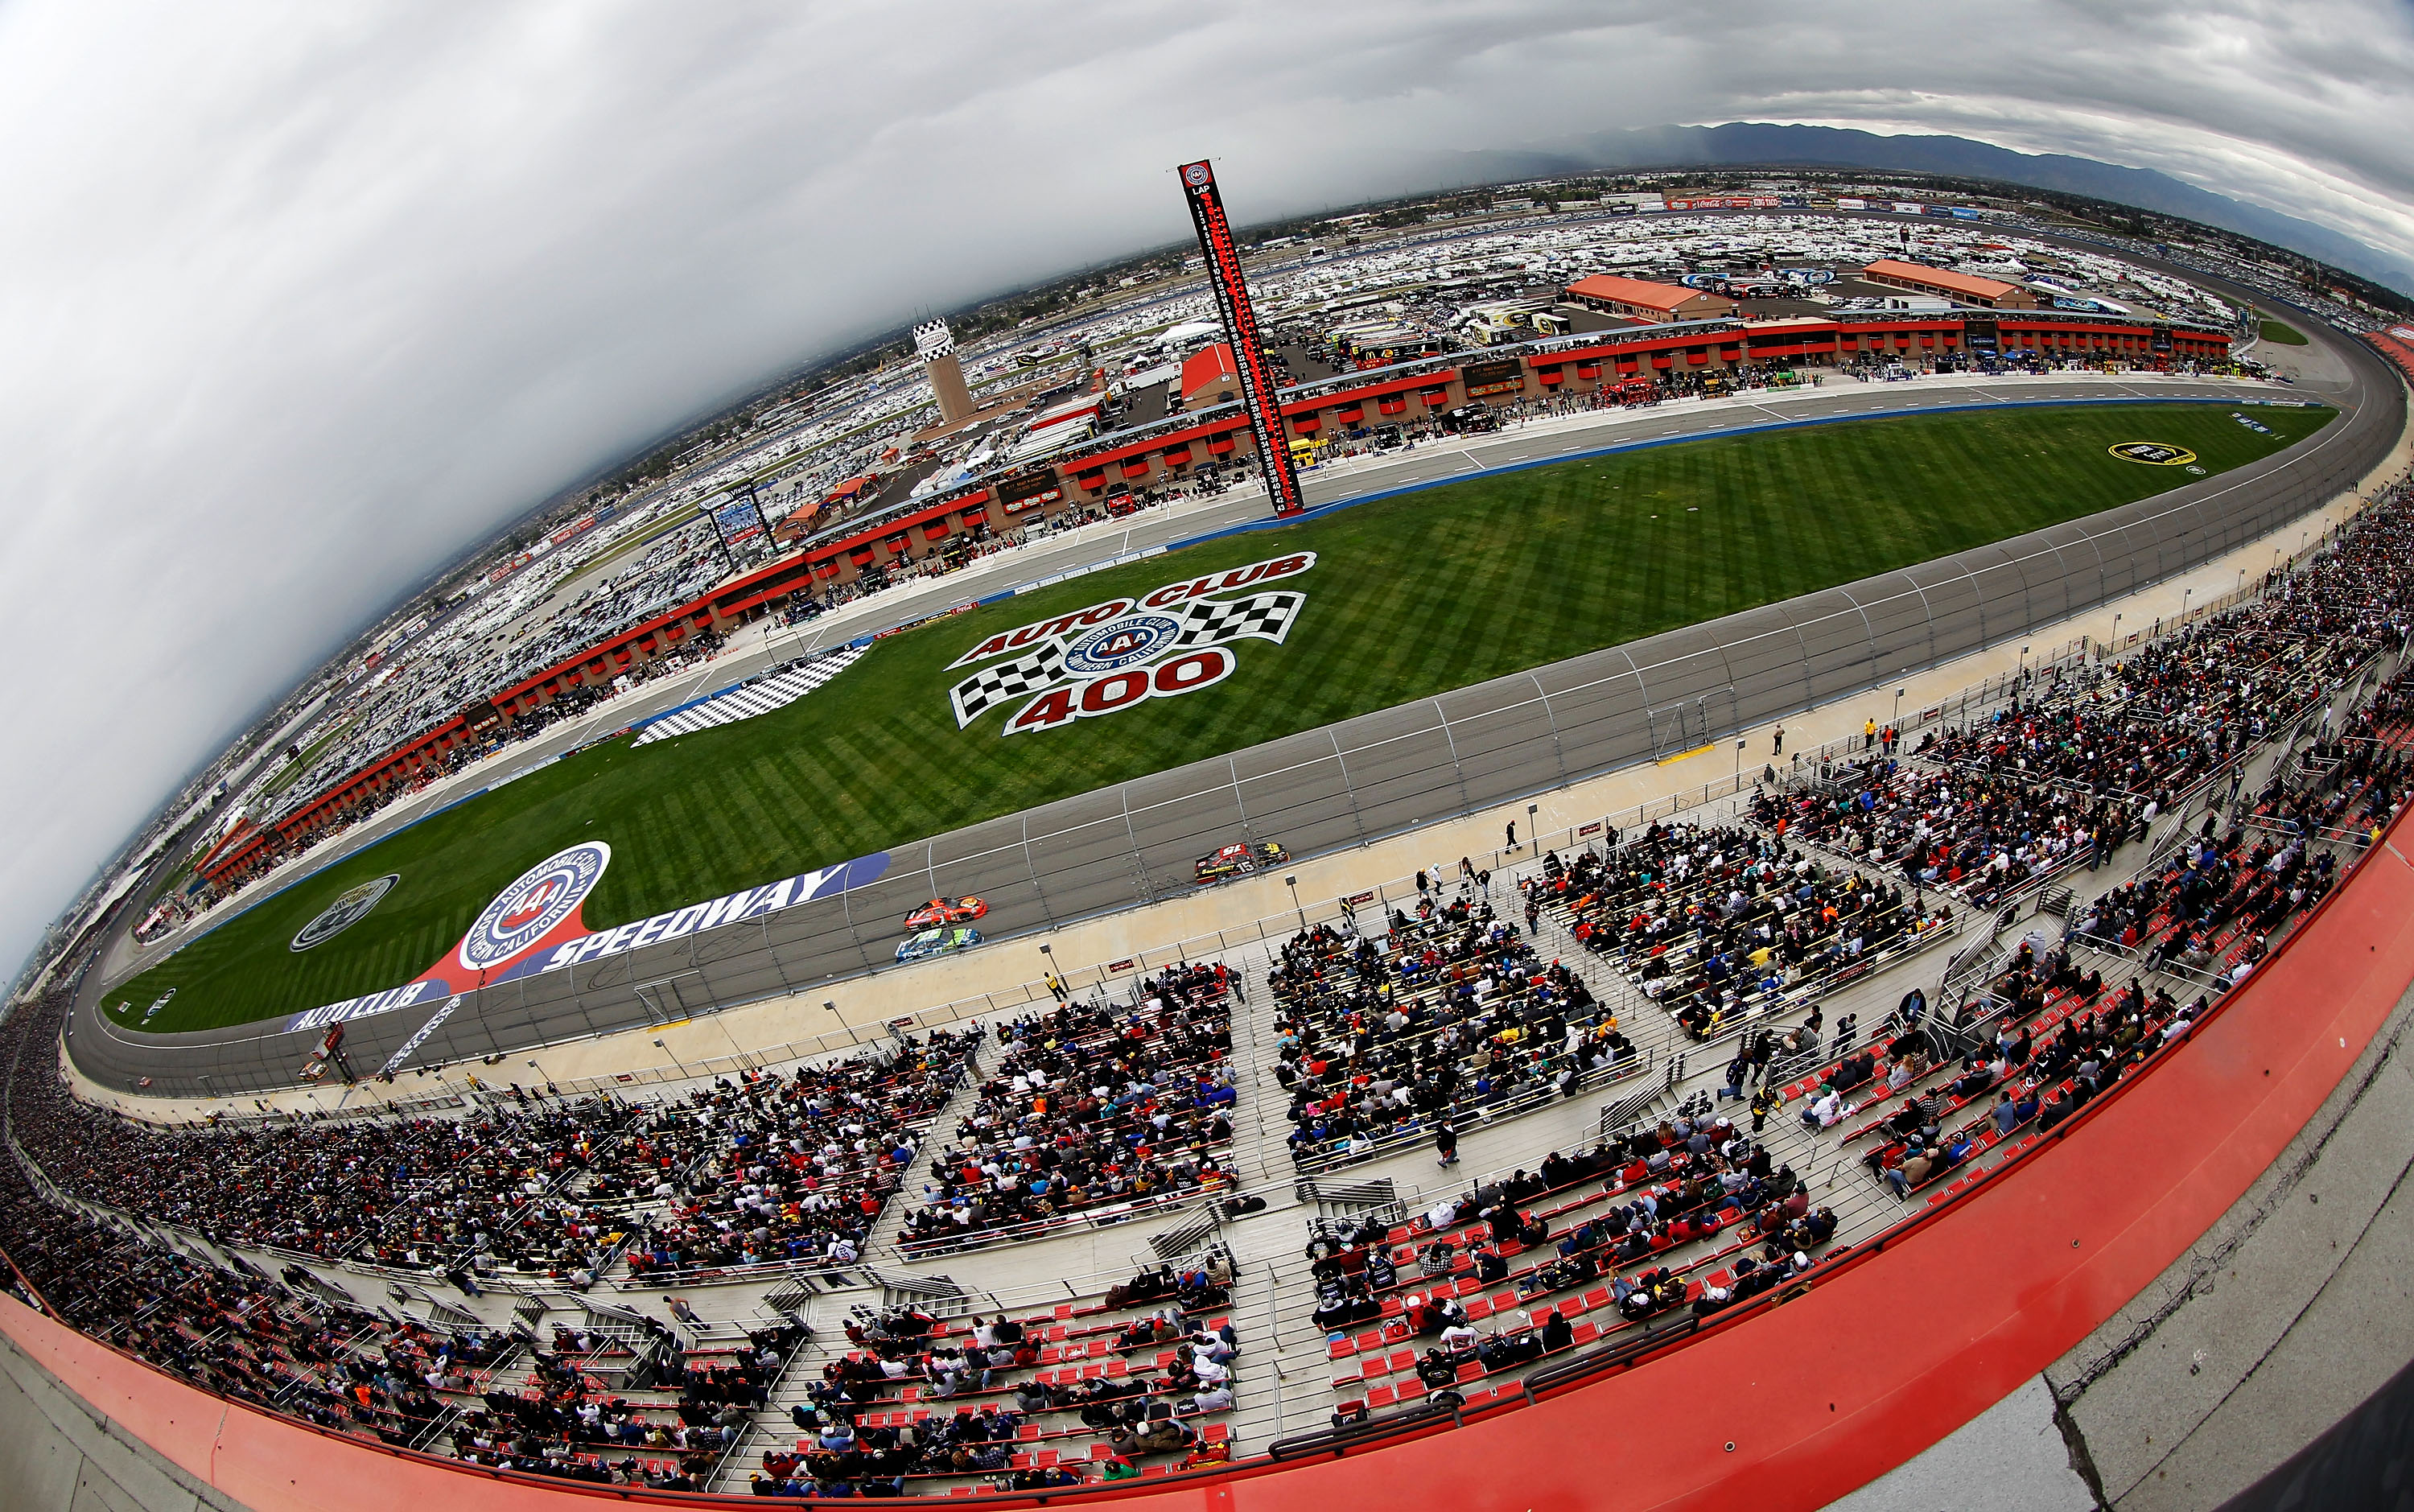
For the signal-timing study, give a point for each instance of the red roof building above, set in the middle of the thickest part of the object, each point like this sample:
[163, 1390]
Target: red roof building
[1210, 378]
[1643, 300]
[1986, 294]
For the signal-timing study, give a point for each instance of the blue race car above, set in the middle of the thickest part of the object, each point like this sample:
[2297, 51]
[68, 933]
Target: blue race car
[924, 944]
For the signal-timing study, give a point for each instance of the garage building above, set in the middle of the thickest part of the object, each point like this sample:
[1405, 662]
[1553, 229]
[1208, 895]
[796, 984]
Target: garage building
[1647, 301]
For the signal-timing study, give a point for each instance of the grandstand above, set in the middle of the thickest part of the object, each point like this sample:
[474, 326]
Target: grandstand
[1267, 1197]
[710, 1290]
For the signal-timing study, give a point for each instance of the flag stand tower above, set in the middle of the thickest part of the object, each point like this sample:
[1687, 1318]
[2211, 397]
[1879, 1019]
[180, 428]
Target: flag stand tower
[1240, 328]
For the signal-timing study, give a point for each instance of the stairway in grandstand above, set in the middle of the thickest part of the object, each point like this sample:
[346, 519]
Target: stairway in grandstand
[748, 700]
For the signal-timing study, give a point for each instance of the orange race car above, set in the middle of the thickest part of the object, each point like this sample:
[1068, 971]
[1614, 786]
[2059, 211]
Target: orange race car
[939, 911]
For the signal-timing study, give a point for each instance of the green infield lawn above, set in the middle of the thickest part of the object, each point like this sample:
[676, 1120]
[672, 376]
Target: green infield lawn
[1411, 596]
[2287, 336]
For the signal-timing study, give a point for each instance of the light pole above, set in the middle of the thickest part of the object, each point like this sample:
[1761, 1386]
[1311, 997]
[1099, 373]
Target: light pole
[675, 1061]
[1738, 766]
[1292, 883]
[850, 1028]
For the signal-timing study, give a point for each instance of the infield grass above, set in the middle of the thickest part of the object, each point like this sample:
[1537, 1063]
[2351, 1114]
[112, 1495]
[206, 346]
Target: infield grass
[2287, 336]
[1411, 596]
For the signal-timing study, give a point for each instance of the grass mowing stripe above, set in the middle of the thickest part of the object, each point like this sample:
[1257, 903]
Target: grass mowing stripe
[1413, 595]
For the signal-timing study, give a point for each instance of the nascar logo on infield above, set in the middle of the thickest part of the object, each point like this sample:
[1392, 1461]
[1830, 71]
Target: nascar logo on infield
[347, 910]
[534, 905]
[2152, 453]
[1105, 658]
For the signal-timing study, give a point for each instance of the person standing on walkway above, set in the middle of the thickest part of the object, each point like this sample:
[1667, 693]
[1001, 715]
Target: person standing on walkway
[1422, 882]
[1513, 834]
[1777, 742]
[1869, 733]
[1763, 1102]
[1446, 1145]
[1057, 989]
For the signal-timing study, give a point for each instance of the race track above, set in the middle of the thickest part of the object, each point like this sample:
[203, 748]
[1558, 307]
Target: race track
[1380, 773]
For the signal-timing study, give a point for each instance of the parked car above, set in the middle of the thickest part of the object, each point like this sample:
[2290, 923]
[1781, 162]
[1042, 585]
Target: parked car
[1238, 860]
[941, 912]
[926, 943]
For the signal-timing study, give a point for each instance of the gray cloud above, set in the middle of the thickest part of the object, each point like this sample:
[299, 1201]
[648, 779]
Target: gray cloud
[296, 301]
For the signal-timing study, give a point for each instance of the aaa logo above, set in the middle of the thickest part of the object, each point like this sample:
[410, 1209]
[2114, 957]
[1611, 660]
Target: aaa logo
[536, 903]
[1107, 657]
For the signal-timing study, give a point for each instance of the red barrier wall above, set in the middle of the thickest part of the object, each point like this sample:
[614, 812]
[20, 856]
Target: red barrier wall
[1789, 1406]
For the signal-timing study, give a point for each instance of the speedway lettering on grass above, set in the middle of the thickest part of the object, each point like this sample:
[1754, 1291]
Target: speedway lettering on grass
[535, 925]
[1105, 658]
[735, 908]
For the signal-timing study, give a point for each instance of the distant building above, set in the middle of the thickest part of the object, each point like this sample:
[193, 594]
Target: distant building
[936, 346]
[1209, 377]
[1986, 294]
[1643, 300]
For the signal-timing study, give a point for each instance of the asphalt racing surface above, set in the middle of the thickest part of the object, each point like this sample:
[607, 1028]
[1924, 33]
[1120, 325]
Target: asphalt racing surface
[1375, 775]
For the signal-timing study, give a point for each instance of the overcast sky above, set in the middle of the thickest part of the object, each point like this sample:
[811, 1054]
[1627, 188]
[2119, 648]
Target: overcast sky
[296, 301]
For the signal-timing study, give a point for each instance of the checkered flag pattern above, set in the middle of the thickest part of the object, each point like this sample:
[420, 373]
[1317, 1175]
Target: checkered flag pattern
[1258, 617]
[1007, 681]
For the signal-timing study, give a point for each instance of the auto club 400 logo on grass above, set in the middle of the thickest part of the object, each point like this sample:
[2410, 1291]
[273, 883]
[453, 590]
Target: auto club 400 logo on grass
[538, 902]
[1110, 656]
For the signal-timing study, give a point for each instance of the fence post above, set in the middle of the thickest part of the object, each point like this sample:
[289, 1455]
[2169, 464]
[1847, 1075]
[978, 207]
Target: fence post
[846, 911]
[1356, 817]
[1558, 754]
[1456, 770]
[1232, 768]
[1032, 867]
[1147, 887]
